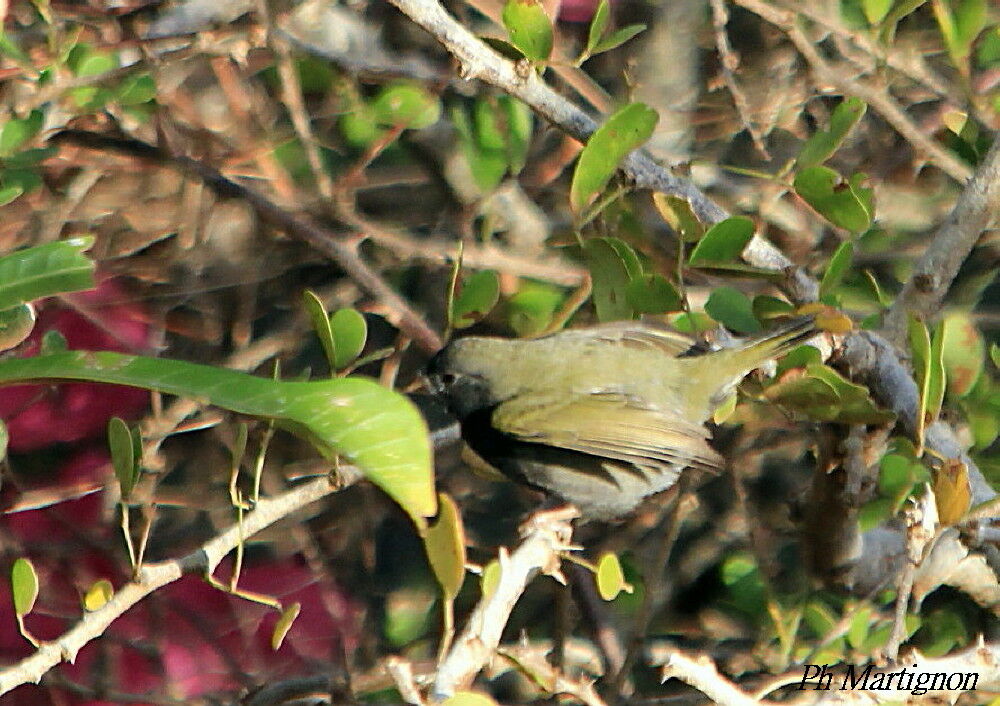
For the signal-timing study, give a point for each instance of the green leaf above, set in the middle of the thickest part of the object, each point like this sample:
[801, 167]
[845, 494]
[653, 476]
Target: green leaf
[16, 324]
[359, 126]
[626, 130]
[479, 294]
[610, 577]
[322, 327]
[928, 371]
[284, 624]
[373, 427]
[520, 125]
[876, 10]
[821, 146]
[799, 357]
[350, 333]
[53, 341]
[613, 265]
[693, 324]
[598, 24]
[137, 89]
[488, 133]
[530, 311]
[123, 457]
[618, 37]
[9, 193]
[84, 60]
[444, 541]
[678, 214]
[45, 270]
[17, 132]
[874, 513]
[406, 105]
[839, 265]
[724, 242]
[488, 166]
[731, 307]
[995, 355]
[653, 294]
[845, 204]
[24, 586]
[766, 307]
[530, 28]
[963, 353]
[857, 633]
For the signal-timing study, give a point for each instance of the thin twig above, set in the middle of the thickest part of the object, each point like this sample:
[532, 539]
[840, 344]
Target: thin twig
[301, 227]
[843, 78]
[154, 576]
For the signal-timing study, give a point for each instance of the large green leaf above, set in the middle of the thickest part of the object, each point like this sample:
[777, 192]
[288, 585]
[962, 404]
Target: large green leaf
[371, 426]
[45, 270]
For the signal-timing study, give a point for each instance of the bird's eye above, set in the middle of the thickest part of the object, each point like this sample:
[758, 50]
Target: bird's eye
[448, 378]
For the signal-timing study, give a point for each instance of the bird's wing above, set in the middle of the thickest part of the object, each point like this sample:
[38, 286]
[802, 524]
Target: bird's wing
[637, 335]
[610, 425]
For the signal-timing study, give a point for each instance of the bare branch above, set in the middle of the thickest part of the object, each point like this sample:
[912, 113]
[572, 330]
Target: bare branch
[976, 209]
[546, 534]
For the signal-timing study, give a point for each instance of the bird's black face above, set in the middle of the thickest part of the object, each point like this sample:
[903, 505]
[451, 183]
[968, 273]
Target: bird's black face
[462, 391]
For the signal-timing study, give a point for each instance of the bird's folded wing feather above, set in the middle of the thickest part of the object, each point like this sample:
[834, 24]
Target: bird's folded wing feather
[609, 425]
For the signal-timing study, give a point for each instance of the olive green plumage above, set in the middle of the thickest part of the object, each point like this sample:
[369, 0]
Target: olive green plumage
[600, 417]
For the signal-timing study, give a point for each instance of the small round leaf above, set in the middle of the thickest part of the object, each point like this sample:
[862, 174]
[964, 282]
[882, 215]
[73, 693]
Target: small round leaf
[24, 586]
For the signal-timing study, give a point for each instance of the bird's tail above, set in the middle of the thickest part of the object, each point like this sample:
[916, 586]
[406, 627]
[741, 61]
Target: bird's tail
[755, 352]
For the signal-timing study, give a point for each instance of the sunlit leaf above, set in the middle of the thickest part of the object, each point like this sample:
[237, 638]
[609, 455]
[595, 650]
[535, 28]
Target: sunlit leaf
[406, 105]
[321, 325]
[952, 492]
[284, 624]
[45, 270]
[24, 586]
[618, 37]
[679, 215]
[963, 353]
[598, 25]
[626, 130]
[371, 426]
[610, 577]
[490, 579]
[529, 27]
[444, 541]
[97, 596]
[350, 333]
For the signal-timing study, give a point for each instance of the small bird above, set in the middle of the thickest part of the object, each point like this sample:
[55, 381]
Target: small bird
[600, 417]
